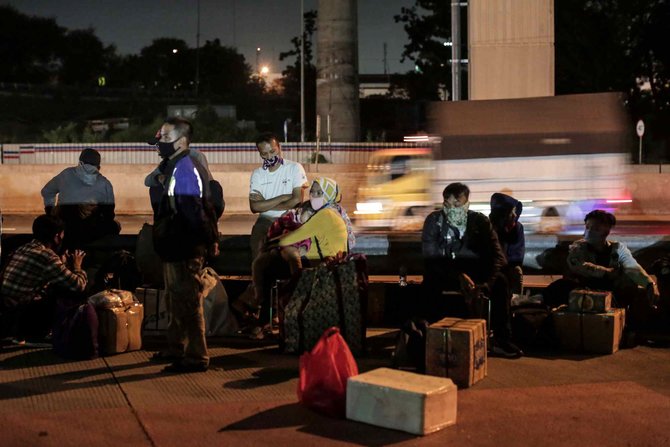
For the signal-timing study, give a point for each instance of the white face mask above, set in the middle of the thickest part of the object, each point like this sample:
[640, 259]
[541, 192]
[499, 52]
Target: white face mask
[316, 202]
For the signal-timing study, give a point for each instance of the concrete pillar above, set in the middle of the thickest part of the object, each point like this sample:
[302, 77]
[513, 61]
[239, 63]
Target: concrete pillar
[337, 69]
[511, 48]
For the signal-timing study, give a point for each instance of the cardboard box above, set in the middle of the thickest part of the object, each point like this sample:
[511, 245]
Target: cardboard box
[591, 333]
[456, 348]
[593, 301]
[155, 310]
[402, 400]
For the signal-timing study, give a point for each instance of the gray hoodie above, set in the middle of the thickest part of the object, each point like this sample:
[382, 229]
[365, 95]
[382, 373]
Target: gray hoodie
[78, 185]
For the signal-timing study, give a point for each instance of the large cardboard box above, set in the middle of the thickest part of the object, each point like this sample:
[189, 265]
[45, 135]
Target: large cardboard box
[402, 400]
[456, 348]
[593, 301]
[591, 333]
[155, 310]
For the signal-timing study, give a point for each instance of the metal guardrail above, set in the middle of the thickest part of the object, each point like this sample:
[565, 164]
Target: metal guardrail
[216, 153]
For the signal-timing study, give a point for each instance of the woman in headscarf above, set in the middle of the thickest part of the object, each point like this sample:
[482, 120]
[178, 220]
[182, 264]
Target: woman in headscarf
[317, 229]
[327, 230]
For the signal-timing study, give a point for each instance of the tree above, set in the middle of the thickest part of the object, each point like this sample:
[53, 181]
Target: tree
[428, 27]
[83, 58]
[30, 47]
[290, 82]
[619, 45]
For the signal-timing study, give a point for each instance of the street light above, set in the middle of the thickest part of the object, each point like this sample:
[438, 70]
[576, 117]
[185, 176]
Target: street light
[265, 70]
[175, 51]
[258, 55]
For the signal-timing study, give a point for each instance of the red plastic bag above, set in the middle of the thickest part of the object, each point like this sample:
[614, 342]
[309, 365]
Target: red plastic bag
[324, 373]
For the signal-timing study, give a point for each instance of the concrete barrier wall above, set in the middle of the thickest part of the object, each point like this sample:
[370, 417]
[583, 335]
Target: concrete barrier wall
[20, 186]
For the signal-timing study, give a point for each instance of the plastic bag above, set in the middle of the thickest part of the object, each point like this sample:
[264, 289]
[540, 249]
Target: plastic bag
[323, 375]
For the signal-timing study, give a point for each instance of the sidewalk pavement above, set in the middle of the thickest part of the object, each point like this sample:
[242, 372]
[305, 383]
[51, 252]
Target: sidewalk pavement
[248, 397]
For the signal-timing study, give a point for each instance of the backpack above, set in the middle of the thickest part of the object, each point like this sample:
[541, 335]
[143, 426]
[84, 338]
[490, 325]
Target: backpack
[410, 348]
[119, 271]
[216, 197]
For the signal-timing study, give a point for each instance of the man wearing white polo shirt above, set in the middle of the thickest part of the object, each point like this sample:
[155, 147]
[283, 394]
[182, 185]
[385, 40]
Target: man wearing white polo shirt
[276, 186]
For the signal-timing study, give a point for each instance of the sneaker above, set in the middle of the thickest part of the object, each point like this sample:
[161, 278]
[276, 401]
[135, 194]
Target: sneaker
[505, 349]
[180, 368]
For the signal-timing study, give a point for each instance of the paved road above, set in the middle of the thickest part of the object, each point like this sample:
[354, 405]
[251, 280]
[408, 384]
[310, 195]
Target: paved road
[241, 224]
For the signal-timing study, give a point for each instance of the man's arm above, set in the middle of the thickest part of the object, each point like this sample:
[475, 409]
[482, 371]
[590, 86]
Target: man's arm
[578, 265]
[498, 260]
[430, 238]
[74, 278]
[258, 204]
[49, 192]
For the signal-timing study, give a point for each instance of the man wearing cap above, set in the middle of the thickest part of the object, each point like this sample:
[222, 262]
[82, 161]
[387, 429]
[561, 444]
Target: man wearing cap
[84, 199]
[154, 181]
[185, 232]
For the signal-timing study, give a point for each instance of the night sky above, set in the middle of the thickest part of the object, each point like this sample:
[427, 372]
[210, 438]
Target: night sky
[268, 24]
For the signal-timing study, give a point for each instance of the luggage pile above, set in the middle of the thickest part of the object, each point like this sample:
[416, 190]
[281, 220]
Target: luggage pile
[589, 323]
[120, 317]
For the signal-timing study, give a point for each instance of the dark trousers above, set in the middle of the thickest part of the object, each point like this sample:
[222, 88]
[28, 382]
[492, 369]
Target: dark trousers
[439, 305]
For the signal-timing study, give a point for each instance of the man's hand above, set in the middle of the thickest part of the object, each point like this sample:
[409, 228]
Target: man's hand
[214, 250]
[256, 196]
[65, 257]
[77, 258]
[653, 294]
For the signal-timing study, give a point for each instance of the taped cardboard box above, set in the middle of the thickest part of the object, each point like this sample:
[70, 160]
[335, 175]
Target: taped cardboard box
[593, 301]
[402, 400]
[590, 333]
[456, 348]
[155, 310]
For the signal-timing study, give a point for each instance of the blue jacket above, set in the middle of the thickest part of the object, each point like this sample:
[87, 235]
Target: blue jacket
[185, 226]
[512, 239]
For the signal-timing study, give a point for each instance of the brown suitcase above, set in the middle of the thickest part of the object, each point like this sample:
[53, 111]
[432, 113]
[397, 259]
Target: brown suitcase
[591, 333]
[120, 318]
[112, 330]
[456, 348]
[592, 301]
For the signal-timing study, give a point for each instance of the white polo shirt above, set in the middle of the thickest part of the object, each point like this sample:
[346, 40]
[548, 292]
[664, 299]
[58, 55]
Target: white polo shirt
[282, 181]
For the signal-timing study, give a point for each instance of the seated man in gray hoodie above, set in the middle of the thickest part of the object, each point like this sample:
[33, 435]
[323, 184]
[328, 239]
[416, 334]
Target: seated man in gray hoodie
[84, 199]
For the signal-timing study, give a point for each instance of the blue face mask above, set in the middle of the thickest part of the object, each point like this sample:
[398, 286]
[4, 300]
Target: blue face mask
[272, 161]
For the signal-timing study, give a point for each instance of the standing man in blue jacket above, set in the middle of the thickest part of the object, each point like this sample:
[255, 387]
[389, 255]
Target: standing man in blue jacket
[185, 233]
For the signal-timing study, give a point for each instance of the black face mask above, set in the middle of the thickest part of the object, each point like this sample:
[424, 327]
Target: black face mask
[165, 150]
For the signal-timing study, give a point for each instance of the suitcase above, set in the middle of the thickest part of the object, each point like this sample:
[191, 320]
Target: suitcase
[402, 400]
[120, 318]
[593, 301]
[332, 294]
[155, 310]
[590, 333]
[456, 348]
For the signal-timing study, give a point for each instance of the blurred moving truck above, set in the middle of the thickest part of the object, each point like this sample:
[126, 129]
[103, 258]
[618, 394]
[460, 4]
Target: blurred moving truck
[562, 156]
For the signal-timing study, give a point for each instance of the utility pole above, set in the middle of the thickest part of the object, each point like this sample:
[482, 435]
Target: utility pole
[197, 54]
[302, 71]
[455, 50]
[386, 64]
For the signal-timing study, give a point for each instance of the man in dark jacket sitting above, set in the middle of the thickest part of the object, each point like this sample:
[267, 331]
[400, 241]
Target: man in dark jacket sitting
[505, 213]
[462, 253]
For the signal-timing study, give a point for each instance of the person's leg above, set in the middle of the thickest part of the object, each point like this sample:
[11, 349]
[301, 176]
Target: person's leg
[175, 332]
[292, 256]
[258, 235]
[187, 307]
[501, 319]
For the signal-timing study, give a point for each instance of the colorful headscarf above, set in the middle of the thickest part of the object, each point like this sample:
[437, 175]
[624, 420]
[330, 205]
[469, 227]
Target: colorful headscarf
[331, 192]
[332, 196]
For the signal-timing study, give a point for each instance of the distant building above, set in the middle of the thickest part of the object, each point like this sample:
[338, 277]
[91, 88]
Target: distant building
[373, 85]
[190, 110]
